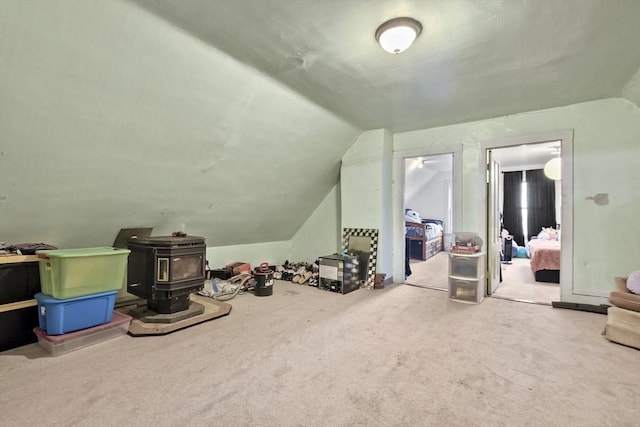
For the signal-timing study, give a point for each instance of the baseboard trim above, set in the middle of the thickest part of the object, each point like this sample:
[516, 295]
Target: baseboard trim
[601, 309]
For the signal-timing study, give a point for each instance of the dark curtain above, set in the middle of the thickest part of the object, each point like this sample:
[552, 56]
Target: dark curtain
[541, 201]
[512, 210]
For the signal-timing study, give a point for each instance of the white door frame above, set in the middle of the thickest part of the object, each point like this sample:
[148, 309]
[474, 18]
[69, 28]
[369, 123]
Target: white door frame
[566, 255]
[398, 197]
[493, 247]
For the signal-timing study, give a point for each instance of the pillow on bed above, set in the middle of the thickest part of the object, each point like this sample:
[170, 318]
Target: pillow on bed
[412, 216]
[633, 283]
[548, 234]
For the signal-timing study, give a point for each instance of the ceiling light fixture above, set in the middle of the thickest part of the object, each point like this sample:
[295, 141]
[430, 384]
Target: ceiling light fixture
[421, 163]
[397, 34]
[553, 169]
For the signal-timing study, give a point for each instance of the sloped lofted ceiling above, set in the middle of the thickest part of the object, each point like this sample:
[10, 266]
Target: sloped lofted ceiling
[475, 59]
[110, 117]
[228, 118]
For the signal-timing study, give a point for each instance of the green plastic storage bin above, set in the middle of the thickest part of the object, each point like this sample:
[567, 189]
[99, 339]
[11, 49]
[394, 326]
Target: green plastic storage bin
[70, 273]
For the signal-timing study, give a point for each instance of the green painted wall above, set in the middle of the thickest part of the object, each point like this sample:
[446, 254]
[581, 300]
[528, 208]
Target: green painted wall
[365, 183]
[321, 233]
[606, 150]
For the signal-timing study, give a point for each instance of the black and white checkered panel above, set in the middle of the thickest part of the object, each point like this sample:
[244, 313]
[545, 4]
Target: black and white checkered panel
[373, 250]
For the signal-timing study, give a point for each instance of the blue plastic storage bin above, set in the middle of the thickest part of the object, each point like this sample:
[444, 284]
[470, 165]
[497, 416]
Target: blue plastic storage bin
[60, 316]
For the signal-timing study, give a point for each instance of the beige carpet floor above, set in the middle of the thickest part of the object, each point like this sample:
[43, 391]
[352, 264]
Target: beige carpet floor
[399, 356]
[432, 273]
[518, 282]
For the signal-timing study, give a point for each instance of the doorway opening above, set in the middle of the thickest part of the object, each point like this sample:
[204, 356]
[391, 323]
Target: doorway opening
[524, 219]
[428, 219]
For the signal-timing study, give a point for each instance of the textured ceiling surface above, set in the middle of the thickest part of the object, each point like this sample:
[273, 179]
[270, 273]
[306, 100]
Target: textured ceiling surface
[475, 59]
[526, 156]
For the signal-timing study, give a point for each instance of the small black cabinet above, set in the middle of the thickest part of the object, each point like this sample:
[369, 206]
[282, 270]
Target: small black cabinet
[19, 282]
[339, 273]
[417, 249]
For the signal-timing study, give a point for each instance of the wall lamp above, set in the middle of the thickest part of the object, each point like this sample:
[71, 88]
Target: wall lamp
[553, 169]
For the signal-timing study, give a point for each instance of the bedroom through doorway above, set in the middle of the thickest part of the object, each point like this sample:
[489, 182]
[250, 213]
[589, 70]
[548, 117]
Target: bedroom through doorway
[428, 219]
[524, 222]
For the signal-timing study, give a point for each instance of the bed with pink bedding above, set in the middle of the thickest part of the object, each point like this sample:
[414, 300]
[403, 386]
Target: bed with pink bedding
[545, 259]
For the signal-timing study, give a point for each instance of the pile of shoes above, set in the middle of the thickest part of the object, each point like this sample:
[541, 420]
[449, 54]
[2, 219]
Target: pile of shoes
[314, 279]
[300, 273]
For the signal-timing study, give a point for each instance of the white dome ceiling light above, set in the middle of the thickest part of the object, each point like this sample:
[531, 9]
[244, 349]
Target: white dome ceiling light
[397, 34]
[553, 169]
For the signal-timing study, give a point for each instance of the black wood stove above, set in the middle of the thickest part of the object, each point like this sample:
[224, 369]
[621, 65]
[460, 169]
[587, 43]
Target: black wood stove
[164, 270]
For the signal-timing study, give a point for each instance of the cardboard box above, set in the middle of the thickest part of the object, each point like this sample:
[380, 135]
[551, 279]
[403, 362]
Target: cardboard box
[468, 250]
[239, 267]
